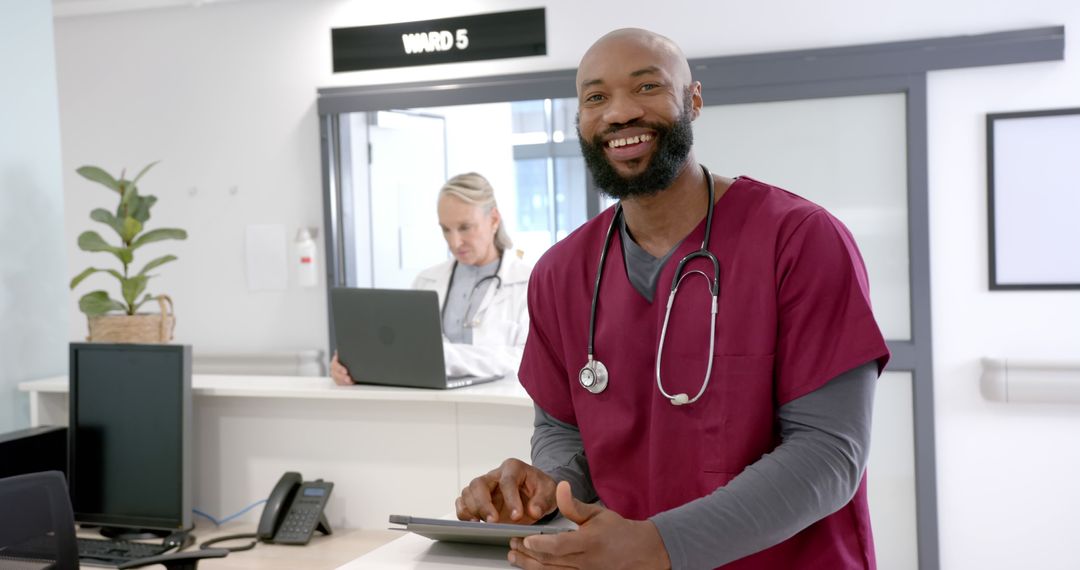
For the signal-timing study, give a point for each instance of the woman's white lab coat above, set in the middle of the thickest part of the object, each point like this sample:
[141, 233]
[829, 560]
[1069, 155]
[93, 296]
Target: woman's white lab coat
[501, 322]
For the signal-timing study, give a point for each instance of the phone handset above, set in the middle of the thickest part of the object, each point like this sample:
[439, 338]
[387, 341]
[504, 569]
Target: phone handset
[274, 510]
[293, 512]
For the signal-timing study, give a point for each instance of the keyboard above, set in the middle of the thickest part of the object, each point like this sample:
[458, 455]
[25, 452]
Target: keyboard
[117, 551]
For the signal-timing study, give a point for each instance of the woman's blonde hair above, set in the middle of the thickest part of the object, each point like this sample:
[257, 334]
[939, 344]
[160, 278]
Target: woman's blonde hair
[474, 189]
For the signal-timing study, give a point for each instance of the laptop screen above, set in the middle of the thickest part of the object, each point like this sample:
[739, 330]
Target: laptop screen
[390, 337]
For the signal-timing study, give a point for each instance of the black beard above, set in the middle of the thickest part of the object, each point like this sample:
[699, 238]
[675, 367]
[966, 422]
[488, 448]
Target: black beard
[673, 147]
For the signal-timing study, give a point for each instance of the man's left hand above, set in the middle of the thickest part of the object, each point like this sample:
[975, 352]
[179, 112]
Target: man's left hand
[603, 540]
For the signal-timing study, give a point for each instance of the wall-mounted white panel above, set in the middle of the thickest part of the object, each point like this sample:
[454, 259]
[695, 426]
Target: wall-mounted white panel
[1036, 194]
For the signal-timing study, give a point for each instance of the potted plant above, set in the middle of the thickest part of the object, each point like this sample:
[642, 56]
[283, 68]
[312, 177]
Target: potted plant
[109, 319]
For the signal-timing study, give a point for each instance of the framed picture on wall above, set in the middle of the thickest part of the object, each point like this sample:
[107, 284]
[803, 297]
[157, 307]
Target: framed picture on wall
[1033, 182]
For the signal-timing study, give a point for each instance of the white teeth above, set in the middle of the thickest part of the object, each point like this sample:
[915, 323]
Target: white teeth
[616, 143]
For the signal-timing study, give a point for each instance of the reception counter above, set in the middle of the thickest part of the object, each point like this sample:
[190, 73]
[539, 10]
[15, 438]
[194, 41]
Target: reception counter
[387, 450]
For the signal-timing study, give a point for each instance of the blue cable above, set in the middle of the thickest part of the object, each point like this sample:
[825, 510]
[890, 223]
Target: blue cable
[230, 517]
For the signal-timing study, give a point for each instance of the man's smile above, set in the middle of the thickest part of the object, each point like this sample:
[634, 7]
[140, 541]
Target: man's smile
[623, 148]
[615, 143]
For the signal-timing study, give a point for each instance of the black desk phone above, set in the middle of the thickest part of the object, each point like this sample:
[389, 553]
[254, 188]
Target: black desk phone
[292, 514]
[294, 510]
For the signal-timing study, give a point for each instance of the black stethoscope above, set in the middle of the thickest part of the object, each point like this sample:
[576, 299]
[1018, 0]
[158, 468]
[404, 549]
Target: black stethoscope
[594, 375]
[446, 298]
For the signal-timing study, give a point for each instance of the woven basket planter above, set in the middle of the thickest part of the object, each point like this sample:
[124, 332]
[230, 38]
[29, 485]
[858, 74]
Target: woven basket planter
[137, 328]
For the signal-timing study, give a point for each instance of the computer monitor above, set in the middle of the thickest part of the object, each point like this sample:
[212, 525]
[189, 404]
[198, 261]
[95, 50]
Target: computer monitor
[130, 435]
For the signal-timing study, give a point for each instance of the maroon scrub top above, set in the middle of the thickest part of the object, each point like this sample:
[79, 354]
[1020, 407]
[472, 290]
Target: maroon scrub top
[794, 312]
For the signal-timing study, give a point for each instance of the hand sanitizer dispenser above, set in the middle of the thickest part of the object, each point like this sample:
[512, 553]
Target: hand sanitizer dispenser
[307, 269]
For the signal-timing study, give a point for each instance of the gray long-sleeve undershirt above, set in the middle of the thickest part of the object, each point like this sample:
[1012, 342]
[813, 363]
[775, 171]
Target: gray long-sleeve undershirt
[816, 469]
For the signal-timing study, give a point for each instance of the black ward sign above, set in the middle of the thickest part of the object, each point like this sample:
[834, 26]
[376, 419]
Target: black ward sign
[497, 35]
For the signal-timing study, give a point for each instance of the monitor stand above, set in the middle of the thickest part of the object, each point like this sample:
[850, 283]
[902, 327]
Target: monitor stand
[123, 533]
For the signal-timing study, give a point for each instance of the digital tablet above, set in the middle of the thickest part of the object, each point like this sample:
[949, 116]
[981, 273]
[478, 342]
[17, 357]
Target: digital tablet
[497, 534]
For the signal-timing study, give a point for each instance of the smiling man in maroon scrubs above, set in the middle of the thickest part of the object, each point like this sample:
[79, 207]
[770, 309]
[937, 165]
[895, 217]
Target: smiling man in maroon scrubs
[675, 438]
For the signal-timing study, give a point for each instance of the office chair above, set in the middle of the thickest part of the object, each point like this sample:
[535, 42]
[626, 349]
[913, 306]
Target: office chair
[37, 531]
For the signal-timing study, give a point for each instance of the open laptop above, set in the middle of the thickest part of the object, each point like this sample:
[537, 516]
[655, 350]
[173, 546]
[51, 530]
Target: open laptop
[393, 337]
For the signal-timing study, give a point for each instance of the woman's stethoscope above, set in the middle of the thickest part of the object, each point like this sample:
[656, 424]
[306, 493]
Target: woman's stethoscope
[472, 322]
[594, 375]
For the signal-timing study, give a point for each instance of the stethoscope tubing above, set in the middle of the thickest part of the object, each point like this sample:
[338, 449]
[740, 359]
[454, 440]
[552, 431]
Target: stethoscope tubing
[599, 275]
[450, 284]
[681, 399]
[593, 376]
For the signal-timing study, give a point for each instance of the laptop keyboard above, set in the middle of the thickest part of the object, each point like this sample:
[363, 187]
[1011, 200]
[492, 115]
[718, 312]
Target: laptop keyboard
[117, 550]
[41, 550]
[459, 381]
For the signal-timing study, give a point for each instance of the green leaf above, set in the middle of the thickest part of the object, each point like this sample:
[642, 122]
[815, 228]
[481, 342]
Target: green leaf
[98, 303]
[91, 241]
[104, 216]
[78, 278]
[155, 263]
[131, 288]
[92, 270]
[131, 228]
[127, 192]
[98, 175]
[158, 235]
[143, 171]
[140, 207]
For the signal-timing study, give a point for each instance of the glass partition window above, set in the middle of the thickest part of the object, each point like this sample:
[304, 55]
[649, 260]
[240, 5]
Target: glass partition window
[845, 153]
[848, 154]
[890, 483]
[550, 173]
[399, 159]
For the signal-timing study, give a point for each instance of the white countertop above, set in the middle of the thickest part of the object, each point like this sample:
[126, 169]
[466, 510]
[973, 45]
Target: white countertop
[413, 552]
[507, 391]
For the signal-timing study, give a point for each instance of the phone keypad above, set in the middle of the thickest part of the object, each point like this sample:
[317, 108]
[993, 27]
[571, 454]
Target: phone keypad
[301, 521]
[304, 514]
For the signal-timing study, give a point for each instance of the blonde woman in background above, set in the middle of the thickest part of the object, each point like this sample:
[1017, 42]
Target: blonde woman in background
[481, 290]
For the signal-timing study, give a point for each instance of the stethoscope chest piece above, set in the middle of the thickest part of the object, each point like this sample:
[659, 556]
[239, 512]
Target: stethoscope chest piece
[593, 376]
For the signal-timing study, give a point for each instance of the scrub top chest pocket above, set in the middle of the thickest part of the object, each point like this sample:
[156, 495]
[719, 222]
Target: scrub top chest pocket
[739, 416]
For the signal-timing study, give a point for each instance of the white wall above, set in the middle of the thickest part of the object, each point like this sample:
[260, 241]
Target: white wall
[1008, 495]
[225, 94]
[33, 273]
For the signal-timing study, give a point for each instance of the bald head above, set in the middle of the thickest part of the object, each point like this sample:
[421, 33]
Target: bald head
[636, 50]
